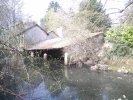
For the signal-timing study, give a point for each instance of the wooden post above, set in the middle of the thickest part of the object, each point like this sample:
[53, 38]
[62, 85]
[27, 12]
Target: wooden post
[66, 58]
[32, 54]
[45, 56]
[66, 63]
[38, 54]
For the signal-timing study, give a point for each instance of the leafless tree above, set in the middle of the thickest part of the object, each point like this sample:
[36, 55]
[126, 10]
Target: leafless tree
[10, 11]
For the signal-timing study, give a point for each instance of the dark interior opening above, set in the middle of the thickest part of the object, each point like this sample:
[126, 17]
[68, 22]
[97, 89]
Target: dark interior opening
[51, 53]
[54, 54]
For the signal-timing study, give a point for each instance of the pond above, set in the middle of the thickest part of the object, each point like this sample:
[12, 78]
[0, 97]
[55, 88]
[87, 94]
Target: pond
[82, 84]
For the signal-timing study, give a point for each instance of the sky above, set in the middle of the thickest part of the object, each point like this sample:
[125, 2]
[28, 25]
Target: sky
[36, 9]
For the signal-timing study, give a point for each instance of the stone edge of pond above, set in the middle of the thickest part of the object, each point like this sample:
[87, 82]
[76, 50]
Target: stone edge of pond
[105, 67]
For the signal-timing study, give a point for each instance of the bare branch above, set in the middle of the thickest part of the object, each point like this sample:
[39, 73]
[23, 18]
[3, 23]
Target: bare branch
[121, 11]
[105, 3]
[9, 46]
[112, 9]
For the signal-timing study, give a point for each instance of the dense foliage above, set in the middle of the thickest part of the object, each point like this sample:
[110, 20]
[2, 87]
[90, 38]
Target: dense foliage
[93, 16]
[53, 20]
[122, 39]
[93, 21]
[92, 5]
[90, 18]
[54, 5]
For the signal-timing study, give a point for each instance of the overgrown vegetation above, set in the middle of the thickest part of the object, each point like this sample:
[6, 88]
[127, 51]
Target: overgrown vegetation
[90, 18]
[122, 39]
[17, 68]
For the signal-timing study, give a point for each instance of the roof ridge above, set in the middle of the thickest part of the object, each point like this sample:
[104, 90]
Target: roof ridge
[54, 33]
[23, 32]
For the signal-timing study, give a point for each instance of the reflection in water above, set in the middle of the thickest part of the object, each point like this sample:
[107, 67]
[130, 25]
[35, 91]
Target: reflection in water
[42, 93]
[101, 85]
[81, 84]
[86, 85]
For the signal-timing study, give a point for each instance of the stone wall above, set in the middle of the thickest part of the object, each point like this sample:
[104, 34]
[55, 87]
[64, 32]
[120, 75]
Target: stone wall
[85, 50]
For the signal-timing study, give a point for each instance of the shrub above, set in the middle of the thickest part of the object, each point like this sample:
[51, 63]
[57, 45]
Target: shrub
[122, 39]
[120, 50]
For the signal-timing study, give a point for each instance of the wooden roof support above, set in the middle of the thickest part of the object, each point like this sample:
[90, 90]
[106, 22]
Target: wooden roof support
[66, 58]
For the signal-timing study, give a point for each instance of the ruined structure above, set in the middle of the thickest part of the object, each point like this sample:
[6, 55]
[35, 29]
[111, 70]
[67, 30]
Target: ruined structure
[72, 48]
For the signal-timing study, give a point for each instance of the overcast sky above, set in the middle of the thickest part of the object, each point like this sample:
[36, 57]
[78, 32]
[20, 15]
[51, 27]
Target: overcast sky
[36, 9]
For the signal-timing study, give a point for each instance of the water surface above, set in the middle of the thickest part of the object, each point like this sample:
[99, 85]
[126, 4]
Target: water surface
[83, 84]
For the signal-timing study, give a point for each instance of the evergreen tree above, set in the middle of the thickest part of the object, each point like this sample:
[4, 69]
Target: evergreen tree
[92, 15]
[92, 5]
[53, 5]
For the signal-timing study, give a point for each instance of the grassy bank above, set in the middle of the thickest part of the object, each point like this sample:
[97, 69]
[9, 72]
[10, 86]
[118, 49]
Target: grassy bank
[120, 64]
